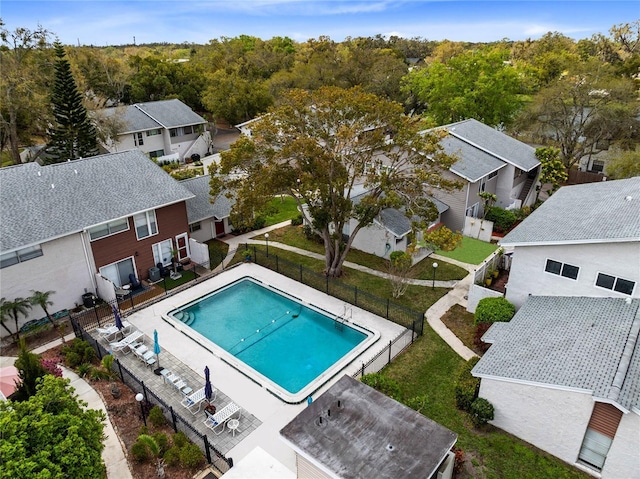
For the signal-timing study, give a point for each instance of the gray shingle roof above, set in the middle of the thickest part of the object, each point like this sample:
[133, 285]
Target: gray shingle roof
[496, 143]
[473, 163]
[393, 220]
[156, 114]
[199, 207]
[85, 193]
[594, 212]
[369, 436]
[572, 342]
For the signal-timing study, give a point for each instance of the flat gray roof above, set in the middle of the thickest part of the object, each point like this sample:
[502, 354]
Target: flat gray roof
[364, 433]
[573, 342]
[40, 203]
[594, 212]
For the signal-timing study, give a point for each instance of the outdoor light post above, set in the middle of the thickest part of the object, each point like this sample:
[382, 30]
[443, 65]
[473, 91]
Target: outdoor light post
[140, 398]
[266, 238]
[435, 266]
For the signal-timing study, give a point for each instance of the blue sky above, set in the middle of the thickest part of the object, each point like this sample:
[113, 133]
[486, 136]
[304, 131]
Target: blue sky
[114, 22]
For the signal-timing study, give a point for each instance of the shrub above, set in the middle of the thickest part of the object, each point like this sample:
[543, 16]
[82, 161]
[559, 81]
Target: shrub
[96, 374]
[458, 462]
[418, 403]
[310, 234]
[183, 174]
[156, 417]
[259, 222]
[191, 455]
[481, 412]
[163, 441]
[84, 369]
[466, 386]
[502, 219]
[383, 384]
[444, 239]
[140, 452]
[179, 439]
[78, 352]
[297, 221]
[491, 310]
[51, 366]
[172, 456]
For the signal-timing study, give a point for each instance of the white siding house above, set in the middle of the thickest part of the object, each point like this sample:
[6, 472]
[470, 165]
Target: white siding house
[207, 220]
[564, 375]
[583, 241]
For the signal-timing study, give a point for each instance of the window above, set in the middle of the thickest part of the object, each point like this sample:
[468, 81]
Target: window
[472, 211]
[173, 132]
[187, 130]
[156, 154]
[109, 228]
[162, 252]
[137, 139]
[20, 256]
[195, 227]
[562, 269]
[597, 166]
[493, 174]
[118, 273]
[620, 285]
[145, 224]
[154, 132]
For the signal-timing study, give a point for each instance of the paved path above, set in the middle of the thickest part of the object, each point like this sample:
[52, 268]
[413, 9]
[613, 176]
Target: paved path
[113, 453]
[457, 295]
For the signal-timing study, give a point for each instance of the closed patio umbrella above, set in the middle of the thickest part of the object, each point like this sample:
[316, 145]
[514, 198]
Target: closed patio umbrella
[117, 317]
[208, 390]
[156, 346]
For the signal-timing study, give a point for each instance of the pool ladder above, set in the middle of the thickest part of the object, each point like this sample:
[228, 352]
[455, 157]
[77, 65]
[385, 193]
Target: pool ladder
[339, 321]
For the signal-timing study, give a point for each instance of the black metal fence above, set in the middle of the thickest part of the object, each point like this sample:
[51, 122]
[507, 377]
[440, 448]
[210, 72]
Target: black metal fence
[384, 357]
[396, 313]
[213, 455]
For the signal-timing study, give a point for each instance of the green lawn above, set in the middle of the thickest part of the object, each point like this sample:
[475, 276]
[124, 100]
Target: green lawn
[471, 251]
[217, 251]
[428, 370]
[293, 236]
[283, 208]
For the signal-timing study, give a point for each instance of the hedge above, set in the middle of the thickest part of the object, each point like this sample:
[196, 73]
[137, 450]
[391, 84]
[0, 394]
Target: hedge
[490, 310]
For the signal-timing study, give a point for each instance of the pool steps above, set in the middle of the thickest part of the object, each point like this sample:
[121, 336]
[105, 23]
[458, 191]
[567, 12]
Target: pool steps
[186, 317]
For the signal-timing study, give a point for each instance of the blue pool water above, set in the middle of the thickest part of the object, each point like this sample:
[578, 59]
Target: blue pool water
[285, 341]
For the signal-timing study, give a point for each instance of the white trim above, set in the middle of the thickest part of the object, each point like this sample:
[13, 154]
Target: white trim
[561, 268]
[534, 383]
[571, 242]
[615, 280]
[186, 245]
[133, 262]
[149, 223]
[618, 406]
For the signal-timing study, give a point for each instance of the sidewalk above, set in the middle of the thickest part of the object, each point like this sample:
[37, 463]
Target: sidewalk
[457, 295]
[113, 453]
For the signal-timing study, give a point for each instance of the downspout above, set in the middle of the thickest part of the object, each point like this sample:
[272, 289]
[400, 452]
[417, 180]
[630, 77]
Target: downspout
[86, 258]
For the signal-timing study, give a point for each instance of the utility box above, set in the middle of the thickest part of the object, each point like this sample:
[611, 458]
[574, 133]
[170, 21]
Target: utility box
[154, 274]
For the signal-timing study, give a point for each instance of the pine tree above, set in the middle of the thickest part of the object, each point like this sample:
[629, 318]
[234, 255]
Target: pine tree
[73, 136]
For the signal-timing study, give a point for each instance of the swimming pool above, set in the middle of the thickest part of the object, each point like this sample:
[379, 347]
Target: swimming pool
[284, 345]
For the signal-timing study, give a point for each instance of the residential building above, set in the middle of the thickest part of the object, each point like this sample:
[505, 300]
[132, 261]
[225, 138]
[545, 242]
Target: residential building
[488, 161]
[583, 241]
[207, 219]
[65, 224]
[564, 375]
[167, 130]
[353, 431]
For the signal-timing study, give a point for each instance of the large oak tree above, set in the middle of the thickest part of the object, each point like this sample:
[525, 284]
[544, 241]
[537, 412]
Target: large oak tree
[322, 147]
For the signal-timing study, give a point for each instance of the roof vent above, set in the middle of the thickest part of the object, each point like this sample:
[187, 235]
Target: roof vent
[39, 174]
[75, 171]
[627, 300]
[390, 447]
[52, 186]
[628, 197]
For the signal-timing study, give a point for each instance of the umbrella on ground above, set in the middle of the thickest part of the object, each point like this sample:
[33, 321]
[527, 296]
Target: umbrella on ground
[116, 315]
[208, 390]
[156, 346]
[8, 377]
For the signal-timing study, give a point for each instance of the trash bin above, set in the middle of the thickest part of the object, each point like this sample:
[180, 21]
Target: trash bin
[88, 300]
[154, 274]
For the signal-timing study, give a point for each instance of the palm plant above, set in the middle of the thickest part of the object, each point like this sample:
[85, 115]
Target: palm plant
[41, 298]
[16, 308]
[4, 314]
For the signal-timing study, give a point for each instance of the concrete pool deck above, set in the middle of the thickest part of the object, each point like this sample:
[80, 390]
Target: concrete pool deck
[273, 413]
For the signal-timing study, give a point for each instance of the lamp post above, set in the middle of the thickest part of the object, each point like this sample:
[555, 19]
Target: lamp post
[140, 398]
[266, 238]
[435, 266]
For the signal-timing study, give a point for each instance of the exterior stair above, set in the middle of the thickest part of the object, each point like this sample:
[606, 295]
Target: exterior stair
[526, 188]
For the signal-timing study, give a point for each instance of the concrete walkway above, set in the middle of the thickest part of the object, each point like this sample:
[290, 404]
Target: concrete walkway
[113, 453]
[457, 295]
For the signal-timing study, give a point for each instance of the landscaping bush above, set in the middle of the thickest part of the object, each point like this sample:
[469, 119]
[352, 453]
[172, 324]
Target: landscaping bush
[259, 222]
[481, 412]
[191, 455]
[180, 439]
[297, 221]
[466, 386]
[84, 369]
[140, 452]
[156, 417]
[491, 310]
[184, 174]
[172, 456]
[78, 352]
[310, 234]
[383, 384]
[163, 441]
[502, 219]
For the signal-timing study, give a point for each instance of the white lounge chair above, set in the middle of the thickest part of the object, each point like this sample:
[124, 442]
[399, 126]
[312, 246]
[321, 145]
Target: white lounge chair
[194, 399]
[125, 343]
[217, 421]
[144, 354]
[109, 332]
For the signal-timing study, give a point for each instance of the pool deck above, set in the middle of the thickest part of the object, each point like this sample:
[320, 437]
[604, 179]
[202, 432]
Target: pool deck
[263, 413]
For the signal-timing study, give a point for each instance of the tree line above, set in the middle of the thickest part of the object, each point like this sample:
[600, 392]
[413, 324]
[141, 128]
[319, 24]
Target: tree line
[580, 96]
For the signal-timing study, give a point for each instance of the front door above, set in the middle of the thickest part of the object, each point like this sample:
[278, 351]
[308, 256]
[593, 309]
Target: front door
[182, 244]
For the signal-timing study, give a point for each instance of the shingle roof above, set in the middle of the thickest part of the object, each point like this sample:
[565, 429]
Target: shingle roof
[393, 220]
[199, 207]
[155, 114]
[496, 143]
[85, 193]
[573, 342]
[595, 212]
[365, 433]
[473, 163]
